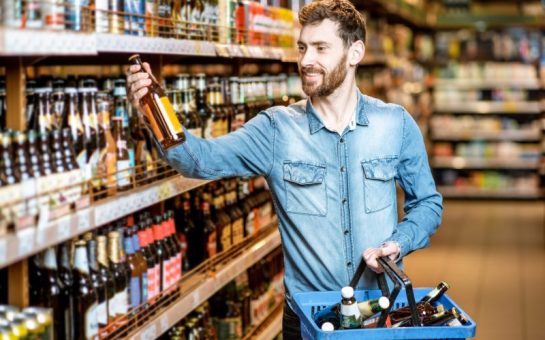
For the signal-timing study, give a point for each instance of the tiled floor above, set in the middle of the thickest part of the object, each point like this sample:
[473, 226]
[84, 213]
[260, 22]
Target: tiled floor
[493, 256]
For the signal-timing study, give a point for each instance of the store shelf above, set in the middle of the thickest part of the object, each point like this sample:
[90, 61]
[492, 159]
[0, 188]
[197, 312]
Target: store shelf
[479, 163]
[514, 136]
[477, 84]
[487, 107]
[269, 328]
[15, 42]
[208, 286]
[468, 20]
[504, 193]
[26, 242]
[118, 43]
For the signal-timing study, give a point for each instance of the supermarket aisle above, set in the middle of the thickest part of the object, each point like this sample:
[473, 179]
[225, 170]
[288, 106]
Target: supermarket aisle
[493, 255]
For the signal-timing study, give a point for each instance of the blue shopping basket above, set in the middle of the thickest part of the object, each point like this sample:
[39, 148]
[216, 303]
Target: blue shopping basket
[309, 303]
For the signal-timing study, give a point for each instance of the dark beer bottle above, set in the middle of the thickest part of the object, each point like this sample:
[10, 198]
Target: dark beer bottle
[158, 110]
[106, 277]
[85, 296]
[122, 156]
[119, 308]
[67, 279]
[99, 284]
[54, 296]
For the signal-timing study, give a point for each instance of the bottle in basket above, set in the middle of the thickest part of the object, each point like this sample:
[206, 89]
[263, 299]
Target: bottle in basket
[350, 313]
[328, 327]
[371, 307]
[329, 315]
[162, 119]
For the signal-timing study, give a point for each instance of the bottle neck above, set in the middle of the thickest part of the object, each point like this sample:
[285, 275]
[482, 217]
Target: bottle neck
[81, 263]
[50, 259]
[101, 251]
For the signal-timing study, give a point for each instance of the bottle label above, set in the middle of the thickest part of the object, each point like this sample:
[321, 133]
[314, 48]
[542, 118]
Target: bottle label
[122, 303]
[123, 174]
[170, 116]
[212, 244]
[135, 297]
[226, 237]
[238, 231]
[102, 314]
[113, 304]
[91, 322]
[153, 124]
[132, 160]
[164, 280]
[94, 161]
[350, 316]
[250, 223]
[178, 267]
[157, 279]
[151, 282]
[183, 243]
[144, 286]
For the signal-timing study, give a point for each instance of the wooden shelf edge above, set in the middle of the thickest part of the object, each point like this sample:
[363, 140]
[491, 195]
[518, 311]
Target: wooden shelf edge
[29, 241]
[209, 286]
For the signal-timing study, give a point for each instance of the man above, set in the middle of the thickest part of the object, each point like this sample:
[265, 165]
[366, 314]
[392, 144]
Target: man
[331, 162]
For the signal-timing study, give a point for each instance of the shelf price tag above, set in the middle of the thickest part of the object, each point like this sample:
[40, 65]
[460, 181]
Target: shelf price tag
[83, 220]
[64, 228]
[150, 333]
[163, 322]
[26, 241]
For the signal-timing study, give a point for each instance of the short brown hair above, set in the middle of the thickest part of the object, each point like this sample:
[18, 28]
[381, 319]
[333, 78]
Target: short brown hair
[351, 22]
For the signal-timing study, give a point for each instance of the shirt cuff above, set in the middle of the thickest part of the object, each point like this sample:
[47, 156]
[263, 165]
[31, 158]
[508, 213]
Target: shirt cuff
[403, 242]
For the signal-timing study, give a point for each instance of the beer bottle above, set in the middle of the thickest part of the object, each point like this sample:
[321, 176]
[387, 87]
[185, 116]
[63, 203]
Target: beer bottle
[72, 121]
[107, 160]
[162, 255]
[235, 213]
[144, 166]
[154, 276]
[23, 170]
[371, 307]
[106, 277]
[122, 156]
[41, 117]
[175, 245]
[135, 282]
[7, 166]
[237, 102]
[35, 157]
[99, 284]
[158, 110]
[203, 110]
[57, 104]
[209, 227]
[85, 296]
[184, 228]
[53, 289]
[142, 263]
[225, 99]
[424, 307]
[164, 12]
[58, 154]
[192, 121]
[221, 218]
[3, 109]
[119, 308]
[349, 311]
[29, 103]
[38, 280]
[67, 279]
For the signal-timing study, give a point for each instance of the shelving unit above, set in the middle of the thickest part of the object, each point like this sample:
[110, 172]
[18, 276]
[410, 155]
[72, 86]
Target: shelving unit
[478, 163]
[515, 135]
[451, 192]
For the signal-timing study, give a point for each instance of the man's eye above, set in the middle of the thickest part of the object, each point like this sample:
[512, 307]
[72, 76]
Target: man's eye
[321, 48]
[301, 48]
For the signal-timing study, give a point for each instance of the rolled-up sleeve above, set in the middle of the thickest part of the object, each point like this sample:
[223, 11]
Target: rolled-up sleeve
[423, 204]
[248, 151]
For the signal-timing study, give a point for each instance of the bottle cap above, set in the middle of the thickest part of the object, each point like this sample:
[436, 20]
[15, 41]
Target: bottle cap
[383, 302]
[327, 327]
[347, 292]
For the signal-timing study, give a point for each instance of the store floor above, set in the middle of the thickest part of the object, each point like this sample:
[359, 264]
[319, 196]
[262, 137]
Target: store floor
[493, 256]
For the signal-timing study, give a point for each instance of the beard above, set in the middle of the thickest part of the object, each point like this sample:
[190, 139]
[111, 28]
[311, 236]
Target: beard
[330, 80]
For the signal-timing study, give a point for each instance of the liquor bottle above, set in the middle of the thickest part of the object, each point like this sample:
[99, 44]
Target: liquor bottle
[135, 282]
[192, 121]
[154, 275]
[349, 311]
[235, 212]
[100, 284]
[67, 279]
[424, 306]
[40, 120]
[58, 160]
[221, 218]
[7, 169]
[124, 110]
[119, 308]
[107, 160]
[158, 110]
[53, 292]
[122, 156]
[142, 262]
[162, 255]
[209, 227]
[85, 296]
[106, 277]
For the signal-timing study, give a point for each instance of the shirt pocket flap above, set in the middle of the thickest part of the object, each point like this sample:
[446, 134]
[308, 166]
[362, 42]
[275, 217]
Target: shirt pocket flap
[383, 169]
[304, 173]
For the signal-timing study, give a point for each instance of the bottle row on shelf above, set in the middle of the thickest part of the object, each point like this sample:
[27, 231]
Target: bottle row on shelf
[27, 323]
[489, 181]
[107, 281]
[237, 308]
[92, 143]
[489, 150]
[225, 21]
[488, 74]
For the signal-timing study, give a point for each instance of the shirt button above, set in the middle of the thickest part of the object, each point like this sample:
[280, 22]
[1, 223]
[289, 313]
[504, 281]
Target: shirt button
[344, 200]
[342, 168]
[342, 140]
[348, 264]
[346, 232]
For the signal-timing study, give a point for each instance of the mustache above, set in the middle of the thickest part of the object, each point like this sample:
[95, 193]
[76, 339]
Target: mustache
[311, 69]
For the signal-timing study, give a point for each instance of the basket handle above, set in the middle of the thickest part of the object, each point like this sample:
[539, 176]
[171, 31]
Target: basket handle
[399, 278]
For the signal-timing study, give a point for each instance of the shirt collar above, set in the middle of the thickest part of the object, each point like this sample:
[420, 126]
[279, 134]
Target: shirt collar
[315, 122]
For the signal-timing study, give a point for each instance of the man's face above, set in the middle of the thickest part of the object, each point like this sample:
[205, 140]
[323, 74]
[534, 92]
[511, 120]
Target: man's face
[322, 59]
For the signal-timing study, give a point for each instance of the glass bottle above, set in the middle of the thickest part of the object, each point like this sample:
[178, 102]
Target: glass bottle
[122, 156]
[162, 253]
[424, 306]
[85, 296]
[349, 311]
[57, 104]
[7, 169]
[164, 123]
[221, 219]
[135, 282]
[23, 170]
[35, 157]
[119, 308]
[106, 277]
[233, 210]
[142, 264]
[99, 284]
[192, 120]
[209, 227]
[67, 278]
[108, 158]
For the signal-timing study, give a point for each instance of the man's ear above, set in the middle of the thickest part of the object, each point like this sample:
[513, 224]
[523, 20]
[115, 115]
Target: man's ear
[356, 53]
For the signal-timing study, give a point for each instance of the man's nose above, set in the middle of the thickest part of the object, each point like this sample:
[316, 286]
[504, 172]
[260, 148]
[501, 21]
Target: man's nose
[307, 58]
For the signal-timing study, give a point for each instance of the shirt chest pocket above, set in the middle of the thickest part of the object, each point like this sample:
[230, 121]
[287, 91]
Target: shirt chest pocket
[379, 184]
[305, 188]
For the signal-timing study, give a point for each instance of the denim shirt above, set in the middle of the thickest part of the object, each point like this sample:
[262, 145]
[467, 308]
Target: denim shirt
[335, 195]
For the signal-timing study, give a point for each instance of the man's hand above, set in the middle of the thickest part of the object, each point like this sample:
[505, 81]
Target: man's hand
[390, 249]
[137, 83]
